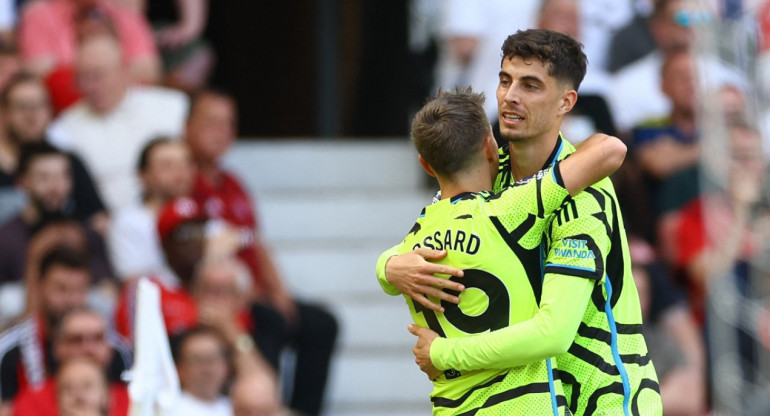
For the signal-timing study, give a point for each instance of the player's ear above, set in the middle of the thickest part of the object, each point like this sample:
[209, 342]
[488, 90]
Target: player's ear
[490, 147]
[568, 101]
[426, 166]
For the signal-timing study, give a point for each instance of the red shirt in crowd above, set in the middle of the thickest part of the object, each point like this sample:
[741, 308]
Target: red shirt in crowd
[695, 234]
[42, 402]
[180, 312]
[48, 29]
[177, 306]
[228, 201]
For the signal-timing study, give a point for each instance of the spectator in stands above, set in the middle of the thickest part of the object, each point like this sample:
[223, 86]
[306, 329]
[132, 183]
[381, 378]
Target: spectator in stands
[26, 114]
[166, 171]
[81, 390]
[44, 175]
[674, 341]
[214, 290]
[202, 365]
[635, 40]
[10, 62]
[187, 57]
[469, 45]
[201, 357]
[187, 240]
[181, 230]
[211, 129]
[221, 289]
[668, 145]
[27, 356]
[666, 150]
[179, 25]
[715, 234]
[256, 394]
[49, 32]
[591, 113]
[114, 120]
[635, 95]
[81, 337]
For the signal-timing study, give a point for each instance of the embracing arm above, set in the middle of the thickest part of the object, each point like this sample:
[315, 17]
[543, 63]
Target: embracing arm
[550, 332]
[412, 274]
[597, 157]
[567, 288]
[382, 261]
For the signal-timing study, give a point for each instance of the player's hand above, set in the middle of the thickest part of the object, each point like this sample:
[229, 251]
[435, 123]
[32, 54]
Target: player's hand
[421, 350]
[413, 275]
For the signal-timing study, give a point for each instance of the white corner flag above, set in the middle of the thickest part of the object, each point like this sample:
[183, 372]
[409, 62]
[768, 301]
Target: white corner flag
[154, 384]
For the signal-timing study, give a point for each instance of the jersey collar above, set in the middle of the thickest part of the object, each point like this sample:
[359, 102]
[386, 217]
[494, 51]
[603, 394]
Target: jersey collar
[555, 153]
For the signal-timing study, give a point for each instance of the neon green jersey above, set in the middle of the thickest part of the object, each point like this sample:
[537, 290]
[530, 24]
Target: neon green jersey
[606, 369]
[487, 238]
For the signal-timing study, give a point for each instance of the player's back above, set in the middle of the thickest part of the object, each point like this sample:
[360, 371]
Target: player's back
[485, 237]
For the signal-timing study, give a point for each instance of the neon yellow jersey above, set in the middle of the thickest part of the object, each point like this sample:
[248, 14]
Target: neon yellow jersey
[607, 369]
[492, 243]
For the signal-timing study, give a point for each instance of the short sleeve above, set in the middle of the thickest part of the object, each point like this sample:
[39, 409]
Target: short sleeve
[580, 237]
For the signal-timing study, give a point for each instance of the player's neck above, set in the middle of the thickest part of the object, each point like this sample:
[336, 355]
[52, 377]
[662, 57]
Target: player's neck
[476, 180]
[529, 156]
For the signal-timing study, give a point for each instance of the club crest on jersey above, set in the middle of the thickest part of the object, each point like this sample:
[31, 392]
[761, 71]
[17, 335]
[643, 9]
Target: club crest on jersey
[574, 249]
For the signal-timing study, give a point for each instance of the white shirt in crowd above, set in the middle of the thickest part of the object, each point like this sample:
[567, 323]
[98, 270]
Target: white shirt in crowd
[134, 247]
[187, 405]
[491, 22]
[636, 95]
[110, 144]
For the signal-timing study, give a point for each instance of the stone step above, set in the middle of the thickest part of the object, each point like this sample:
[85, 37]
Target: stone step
[377, 325]
[391, 384]
[327, 209]
[331, 271]
[342, 216]
[326, 165]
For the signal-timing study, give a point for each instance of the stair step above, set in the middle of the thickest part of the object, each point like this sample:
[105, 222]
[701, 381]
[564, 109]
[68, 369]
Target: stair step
[327, 209]
[392, 382]
[326, 165]
[330, 272]
[346, 216]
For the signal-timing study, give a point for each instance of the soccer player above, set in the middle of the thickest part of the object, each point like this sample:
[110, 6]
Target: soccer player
[588, 294]
[484, 233]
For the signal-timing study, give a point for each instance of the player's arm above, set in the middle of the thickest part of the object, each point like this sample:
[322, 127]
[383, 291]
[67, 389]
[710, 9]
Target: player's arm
[413, 274]
[567, 287]
[549, 333]
[597, 157]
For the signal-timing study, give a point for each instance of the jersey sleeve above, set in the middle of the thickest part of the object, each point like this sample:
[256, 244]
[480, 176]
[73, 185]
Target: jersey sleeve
[381, 262]
[548, 333]
[580, 236]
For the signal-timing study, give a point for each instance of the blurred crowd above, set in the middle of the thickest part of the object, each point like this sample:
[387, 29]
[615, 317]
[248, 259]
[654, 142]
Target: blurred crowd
[685, 84]
[111, 143]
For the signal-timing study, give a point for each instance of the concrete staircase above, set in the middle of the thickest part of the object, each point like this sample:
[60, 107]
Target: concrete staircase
[327, 210]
